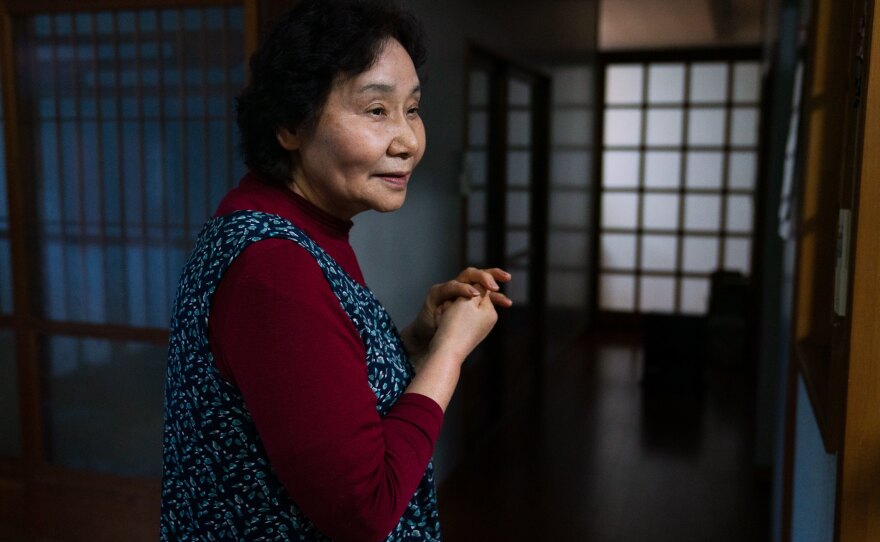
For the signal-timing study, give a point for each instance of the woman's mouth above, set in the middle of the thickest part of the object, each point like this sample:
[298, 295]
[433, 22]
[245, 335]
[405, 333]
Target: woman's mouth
[396, 179]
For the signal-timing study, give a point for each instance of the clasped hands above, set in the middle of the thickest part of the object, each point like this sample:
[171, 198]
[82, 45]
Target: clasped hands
[462, 310]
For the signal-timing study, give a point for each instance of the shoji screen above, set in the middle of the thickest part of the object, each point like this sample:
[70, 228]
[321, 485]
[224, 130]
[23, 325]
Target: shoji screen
[130, 115]
[679, 163]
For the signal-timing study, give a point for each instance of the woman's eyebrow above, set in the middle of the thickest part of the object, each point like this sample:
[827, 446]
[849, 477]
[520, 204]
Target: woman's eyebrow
[385, 88]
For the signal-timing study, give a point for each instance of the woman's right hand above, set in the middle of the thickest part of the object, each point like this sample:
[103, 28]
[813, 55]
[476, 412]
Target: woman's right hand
[463, 324]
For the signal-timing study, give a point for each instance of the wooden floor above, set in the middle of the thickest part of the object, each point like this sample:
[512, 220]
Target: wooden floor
[601, 458]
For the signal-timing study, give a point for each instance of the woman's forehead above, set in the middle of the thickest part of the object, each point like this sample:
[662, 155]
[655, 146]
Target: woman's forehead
[393, 72]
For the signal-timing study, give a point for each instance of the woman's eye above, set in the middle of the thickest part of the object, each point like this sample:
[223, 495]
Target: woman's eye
[377, 111]
[413, 111]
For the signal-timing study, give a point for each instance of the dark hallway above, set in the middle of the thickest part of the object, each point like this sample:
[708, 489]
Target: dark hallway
[603, 460]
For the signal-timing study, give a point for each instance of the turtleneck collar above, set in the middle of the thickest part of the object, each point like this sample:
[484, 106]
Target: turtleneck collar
[290, 205]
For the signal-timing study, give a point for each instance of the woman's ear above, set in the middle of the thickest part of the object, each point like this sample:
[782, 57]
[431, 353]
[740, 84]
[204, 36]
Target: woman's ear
[288, 140]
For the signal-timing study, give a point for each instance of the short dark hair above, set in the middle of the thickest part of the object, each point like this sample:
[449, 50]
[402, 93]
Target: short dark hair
[292, 72]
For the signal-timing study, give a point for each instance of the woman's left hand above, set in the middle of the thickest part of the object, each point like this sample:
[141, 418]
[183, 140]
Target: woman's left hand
[471, 282]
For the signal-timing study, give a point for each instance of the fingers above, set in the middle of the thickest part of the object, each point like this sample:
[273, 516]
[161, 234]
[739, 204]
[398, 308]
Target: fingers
[438, 312]
[500, 299]
[487, 278]
[498, 274]
[451, 290]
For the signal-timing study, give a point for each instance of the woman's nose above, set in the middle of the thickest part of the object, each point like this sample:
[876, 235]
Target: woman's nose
[405, 141]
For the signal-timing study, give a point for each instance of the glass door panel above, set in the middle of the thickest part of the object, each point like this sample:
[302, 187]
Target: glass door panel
[133, 105]
[135, 146]
[517, 187]
[477, 168]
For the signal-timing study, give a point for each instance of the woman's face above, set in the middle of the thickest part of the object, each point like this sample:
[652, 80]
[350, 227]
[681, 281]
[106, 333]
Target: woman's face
[367, 141]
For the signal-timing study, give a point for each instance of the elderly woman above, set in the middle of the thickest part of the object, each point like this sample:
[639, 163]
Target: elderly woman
[294, 409]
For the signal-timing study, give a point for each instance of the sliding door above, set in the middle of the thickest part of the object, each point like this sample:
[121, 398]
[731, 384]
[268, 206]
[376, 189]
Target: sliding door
[119, 142]
[679, 173]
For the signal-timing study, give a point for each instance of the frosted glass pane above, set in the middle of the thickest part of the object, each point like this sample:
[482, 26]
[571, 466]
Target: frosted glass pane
[479, 88]
[708, 82]
[666, 83]
[619, 210]
[519, 128]
[517, 246]
[476, 247]
[568, 249]
[618, 251]
[700, 254]
[620, 169]
[738, 255]
[623, 84]
[660, 211]
[704, 169]
[617, 292]
[664, 127]
[477, 167]
[518, 92]
[657, 294]
[10, 421]
[517, 208]
[569, 209]
[702, 213]
[659, 252]
[121, 265]
[694, 296]
[569, 168]
[745, 126]
[104, 405]
[478, 128]
[572, 127]
[572, 85]
[742, 169]
[706, 127]
[477, 207]
[746, 82]
[623, 127]
[519, 164]
[662, 169]
[739, 213]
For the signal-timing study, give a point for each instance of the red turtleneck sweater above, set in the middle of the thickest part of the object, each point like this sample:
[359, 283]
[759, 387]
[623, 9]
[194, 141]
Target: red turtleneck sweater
[278, 332]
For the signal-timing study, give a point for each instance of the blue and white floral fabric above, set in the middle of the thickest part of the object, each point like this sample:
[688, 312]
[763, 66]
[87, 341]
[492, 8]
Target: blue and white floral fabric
[217, 481]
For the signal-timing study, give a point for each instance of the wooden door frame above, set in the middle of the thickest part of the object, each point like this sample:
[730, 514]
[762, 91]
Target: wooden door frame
[839, 169]
[37, 499]
[858, 475]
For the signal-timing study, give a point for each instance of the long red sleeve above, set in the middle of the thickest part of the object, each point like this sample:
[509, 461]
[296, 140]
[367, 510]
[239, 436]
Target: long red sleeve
[279, 333]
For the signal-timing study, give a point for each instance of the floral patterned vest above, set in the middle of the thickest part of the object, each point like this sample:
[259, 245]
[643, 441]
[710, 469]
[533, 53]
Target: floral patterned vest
[217, 482]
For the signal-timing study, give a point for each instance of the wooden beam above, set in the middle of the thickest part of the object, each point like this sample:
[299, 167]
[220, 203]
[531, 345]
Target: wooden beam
[858, 507]
[21, 232]
[34, 7]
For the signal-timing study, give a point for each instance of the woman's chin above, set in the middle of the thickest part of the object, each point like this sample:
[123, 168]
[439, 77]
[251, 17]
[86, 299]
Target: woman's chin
[388, 205]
